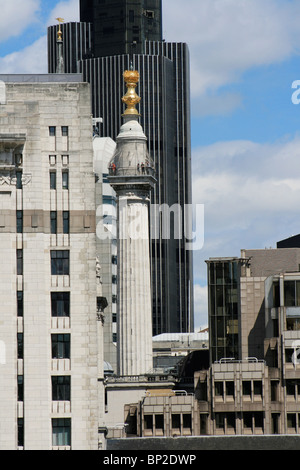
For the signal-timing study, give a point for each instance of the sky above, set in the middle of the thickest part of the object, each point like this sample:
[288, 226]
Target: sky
[245, 114]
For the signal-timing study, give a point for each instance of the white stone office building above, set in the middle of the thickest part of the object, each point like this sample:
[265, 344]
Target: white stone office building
[50, 333]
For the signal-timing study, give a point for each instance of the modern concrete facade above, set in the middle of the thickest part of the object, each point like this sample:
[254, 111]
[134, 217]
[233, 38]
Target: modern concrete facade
[251, 387]
[51, 305]
[102, 54]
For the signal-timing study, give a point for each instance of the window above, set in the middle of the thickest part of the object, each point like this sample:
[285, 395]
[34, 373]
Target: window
[53, 221]
[60, 304]
[131, 16]
[52, 131]
[61, 432]
[65, 180]
[20, 345]
[60, 346]
[247, 387]
[66, 222]
[19, 221]
[292, 293]
[114, 299]
[19, 262]
[20, 303]
[64, 131]
[20, 387]
[52, 180]
[114, 259]
[61, 390]
[148, 419]
[219, 389]
[230, 388]
[176, 421]
[114, 279]
[60, 262]
[159, 422]
[19, 184]
[257, 387]
[114, 337]
[20, 432]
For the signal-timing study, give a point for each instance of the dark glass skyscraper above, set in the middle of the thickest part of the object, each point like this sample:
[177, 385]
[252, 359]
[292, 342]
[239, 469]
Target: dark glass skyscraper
[117, 34]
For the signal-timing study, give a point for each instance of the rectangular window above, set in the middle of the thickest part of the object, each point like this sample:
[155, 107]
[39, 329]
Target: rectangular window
[52, 180]
[66, 222]
[64, 131]
[60, 262]
[19, 262]
[53, 221]
[60, 346]
[257, 387]
[20, 432]
[20, 303]
[65, 180]
[60, 304]
[52, 131]
[19, 221]
[148, 420]
[176, 421]
[246, 388]
[19, 184]
[61, 389]
[20, 387]
[131, 16]
[219, 389]
[61, 432]
[20, 345]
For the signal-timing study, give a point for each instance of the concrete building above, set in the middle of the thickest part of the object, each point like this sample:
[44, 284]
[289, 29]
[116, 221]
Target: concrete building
[51, 387]
[251, 387]
[109, 37]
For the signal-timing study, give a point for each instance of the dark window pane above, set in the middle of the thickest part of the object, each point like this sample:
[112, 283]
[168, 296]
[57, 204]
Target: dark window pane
[60, 262]
[61, 388]
[60, 304]
[20, 345]
[52, 131]
[64, 131]
[66, 221]
[19, 179]
[65, 180]
[19, 262]
[52, 180]
[60, 346]
[53, 221]
[20, 303]
[61, 432]
[19, 221]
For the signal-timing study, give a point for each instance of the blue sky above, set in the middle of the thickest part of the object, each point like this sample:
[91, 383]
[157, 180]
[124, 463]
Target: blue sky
[245, 55]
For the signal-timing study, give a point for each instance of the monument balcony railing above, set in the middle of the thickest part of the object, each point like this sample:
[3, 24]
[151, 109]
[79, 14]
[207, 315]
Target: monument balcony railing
[131, 171]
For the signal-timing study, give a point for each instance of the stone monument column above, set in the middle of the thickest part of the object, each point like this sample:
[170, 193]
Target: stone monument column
[132, 177]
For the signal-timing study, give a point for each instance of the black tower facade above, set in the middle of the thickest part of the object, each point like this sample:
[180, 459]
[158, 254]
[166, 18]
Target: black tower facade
[120, 33]
[122, 26]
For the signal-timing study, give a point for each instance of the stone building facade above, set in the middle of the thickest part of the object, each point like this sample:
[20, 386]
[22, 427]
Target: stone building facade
[49, 333]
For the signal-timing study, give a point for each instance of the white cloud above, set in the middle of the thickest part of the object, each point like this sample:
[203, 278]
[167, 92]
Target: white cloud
[251, 195]
[228, 37]
[32, 59]
[16, 16]
[68, 10]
